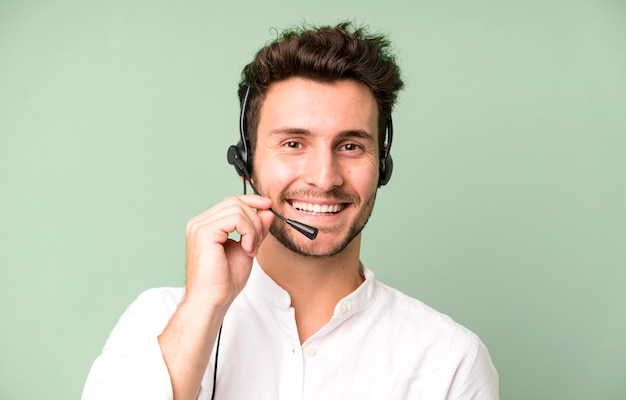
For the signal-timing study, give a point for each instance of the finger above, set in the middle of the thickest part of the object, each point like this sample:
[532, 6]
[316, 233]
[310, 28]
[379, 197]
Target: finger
[217, 229]
[224, 207]
[251, 201]
[266, 218]
[242, 204]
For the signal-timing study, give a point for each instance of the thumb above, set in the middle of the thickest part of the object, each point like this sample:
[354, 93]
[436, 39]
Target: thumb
[266, 221]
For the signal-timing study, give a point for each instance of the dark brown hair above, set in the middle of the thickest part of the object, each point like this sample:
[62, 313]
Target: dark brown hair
[324, 54]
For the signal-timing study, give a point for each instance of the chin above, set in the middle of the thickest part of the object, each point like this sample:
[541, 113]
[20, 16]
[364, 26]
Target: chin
[297, 243]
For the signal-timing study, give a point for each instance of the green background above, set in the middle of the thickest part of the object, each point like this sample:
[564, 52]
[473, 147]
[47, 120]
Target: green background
[506, 209]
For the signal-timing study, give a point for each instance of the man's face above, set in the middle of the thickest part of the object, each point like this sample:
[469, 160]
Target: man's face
[316, 157]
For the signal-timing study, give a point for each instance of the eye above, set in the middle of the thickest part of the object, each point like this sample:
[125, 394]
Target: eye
[351, 147]
[292, 144]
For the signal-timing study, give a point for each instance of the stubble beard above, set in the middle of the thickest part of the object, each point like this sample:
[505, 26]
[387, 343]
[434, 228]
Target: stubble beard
[284, 233]
[287, 235]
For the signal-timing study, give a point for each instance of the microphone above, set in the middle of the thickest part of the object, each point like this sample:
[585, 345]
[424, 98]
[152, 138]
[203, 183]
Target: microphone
[304, 229]
[234, 159]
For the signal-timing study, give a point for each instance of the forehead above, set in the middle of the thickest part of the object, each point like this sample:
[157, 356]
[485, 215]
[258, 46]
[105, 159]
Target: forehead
[322, 107]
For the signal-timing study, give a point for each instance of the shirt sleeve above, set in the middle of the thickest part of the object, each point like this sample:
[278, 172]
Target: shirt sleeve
[131, 364]
[478, 376]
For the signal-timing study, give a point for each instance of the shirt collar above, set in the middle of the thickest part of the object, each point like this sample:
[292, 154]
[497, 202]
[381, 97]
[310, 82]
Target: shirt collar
[261, 284]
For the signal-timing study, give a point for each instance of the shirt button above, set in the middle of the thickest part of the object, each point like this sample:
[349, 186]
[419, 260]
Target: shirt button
[310, 352]
[343, 308]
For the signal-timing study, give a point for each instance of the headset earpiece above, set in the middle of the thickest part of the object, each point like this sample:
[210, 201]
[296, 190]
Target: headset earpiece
[386, 168]
[386, 163]
[236, 156]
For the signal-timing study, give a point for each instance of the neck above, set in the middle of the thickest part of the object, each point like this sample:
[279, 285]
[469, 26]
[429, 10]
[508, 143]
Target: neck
[315, 284]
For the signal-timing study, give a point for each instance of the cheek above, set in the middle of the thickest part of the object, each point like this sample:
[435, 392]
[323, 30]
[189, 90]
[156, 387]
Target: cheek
[273, 175]
[365, 182]
[279, 172]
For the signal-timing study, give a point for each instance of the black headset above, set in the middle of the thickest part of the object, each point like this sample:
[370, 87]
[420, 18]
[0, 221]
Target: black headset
[240, 156]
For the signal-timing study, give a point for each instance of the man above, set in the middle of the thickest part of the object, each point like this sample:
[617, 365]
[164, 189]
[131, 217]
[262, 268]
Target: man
[280, 314]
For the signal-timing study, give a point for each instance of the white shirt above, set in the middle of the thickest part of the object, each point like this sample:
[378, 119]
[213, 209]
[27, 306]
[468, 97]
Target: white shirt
[379, 344]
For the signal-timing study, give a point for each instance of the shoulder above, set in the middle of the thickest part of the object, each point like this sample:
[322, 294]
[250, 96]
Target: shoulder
[413, 318]
[167, 295]
[414, 314]
[430, 335]
[148, 314]
[157, 300]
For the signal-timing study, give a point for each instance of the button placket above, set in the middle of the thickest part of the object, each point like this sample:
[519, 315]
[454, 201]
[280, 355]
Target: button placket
[310, 351]
[292, 371]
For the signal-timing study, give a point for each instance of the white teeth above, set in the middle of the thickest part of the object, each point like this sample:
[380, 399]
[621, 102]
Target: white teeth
[317, 208]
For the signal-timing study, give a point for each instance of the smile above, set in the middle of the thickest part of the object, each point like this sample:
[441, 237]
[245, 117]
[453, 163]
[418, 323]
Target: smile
[317, 209]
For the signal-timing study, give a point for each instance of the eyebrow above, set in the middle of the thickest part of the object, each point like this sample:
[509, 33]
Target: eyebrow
[351, 133]
[290, 131]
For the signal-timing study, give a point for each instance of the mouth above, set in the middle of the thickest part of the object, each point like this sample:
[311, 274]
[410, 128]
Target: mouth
[318, 209]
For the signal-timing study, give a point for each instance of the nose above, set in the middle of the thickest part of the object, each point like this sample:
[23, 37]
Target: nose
[323, 170]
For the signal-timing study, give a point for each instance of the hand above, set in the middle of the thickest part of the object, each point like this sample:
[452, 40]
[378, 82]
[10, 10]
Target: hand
[217, 271]
[218, 267]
